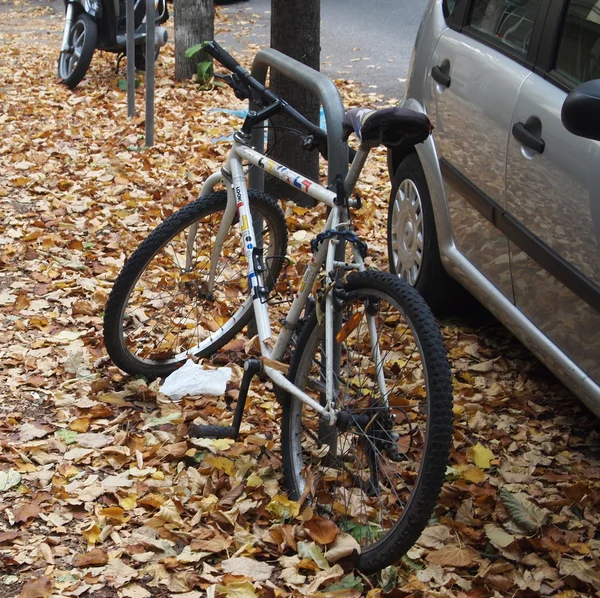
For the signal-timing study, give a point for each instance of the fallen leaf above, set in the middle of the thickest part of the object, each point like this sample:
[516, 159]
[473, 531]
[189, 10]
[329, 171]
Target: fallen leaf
[94, 557]
[434, 536]
[582, 570]
[453, 556]
[27, 511]
[343, 546]
[497, 536]
[30, 431]
[94, 440]
[481, 456]
[321, 530]
[8, 479]
[282, 508]
[250, 568]
[37, 588]
[527, 517]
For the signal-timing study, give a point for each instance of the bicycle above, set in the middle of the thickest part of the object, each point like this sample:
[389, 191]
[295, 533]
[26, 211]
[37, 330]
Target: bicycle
[366, 399]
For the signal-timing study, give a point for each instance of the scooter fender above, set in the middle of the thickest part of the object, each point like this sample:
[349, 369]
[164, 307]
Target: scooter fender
[92, 7]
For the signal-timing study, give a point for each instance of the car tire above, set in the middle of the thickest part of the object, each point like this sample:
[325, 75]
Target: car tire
[413, 250]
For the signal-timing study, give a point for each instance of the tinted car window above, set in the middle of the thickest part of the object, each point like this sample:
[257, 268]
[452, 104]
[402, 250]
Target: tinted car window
[509, 22]
[579, 46]
[449, 7]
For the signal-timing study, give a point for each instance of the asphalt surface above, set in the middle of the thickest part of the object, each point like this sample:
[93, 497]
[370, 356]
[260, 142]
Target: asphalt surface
[366, 41]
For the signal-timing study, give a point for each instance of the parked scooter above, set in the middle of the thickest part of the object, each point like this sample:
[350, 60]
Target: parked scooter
[100, 24]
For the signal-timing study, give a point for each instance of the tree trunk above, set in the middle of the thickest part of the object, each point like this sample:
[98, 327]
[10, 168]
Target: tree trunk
[194, 24]
[295, 31]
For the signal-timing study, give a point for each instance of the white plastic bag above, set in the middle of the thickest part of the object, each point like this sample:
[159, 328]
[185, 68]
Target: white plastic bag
[193, 379]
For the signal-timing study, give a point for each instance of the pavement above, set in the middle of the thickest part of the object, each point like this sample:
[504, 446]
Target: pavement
[367, 42]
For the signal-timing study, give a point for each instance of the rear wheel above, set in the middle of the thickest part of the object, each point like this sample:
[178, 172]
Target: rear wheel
[378, 471]
[74, 62]
[162, 307]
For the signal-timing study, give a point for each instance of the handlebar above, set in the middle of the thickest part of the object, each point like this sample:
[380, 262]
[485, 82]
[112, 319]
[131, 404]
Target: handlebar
[245, 86]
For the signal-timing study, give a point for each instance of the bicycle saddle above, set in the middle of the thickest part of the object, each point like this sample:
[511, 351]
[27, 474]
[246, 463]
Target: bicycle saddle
[392, 127]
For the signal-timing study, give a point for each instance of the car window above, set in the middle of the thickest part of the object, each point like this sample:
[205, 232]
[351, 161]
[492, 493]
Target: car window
[578, 56]
[449, 7]
[508, 22]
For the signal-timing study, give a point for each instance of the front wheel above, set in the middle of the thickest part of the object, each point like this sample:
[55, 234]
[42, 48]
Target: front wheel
[377, 472]
[74, 62]
[163, 306]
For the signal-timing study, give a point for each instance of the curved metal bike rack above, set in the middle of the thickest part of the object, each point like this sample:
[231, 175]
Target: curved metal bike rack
[329, 97]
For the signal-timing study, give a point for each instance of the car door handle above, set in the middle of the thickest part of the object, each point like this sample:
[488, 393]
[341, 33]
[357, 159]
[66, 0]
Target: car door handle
[530, 134]
[441, 74]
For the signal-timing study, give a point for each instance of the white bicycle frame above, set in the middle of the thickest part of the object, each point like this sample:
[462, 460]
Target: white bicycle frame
[232, 176]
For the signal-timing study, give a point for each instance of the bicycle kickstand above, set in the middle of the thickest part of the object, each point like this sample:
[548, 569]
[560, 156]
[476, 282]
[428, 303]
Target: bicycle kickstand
[252, 367]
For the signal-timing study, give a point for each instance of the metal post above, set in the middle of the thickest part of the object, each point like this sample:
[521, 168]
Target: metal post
[329, 96]
[150, 54]
[130, 50]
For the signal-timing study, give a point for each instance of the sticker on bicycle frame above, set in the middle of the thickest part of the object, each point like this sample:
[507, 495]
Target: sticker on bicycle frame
[244, 223]
[302, 183]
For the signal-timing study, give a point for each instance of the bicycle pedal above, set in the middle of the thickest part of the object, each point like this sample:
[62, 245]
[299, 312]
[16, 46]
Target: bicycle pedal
[197, 431]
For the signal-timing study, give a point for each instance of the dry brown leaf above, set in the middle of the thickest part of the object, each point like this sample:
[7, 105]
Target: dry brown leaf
[323, 531]
[453, 556]
[94, 557]
[37, 588]
[27, 511]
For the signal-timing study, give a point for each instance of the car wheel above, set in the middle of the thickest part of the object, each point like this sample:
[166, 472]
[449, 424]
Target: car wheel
[413, 250]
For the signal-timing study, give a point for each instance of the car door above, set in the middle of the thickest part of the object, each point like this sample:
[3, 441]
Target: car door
[477, 70]
[553, 192]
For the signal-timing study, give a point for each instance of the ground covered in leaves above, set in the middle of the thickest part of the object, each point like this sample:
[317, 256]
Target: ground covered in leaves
[102, 492]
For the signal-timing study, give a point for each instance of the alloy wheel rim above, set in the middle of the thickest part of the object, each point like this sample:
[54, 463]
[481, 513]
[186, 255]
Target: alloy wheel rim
[70, 58]
[406, 232]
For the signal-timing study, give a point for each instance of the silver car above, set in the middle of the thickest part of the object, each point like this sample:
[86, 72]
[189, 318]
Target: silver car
[503, 198]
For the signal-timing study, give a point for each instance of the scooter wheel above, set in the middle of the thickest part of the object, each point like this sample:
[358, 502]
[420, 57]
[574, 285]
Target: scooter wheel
[140, 57]
[74, 62]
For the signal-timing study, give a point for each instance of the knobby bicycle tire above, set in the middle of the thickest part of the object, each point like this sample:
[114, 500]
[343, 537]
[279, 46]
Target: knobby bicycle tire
[156, 317]
[369, 458]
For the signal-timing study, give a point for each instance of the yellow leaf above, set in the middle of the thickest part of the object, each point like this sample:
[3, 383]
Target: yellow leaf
[238, 589]
[81, 424]
[116, 513]
[92, 535]
[283, 508]
[254, 481]
[471, 473]
[481, 455]
[222, 463]
[129, 502]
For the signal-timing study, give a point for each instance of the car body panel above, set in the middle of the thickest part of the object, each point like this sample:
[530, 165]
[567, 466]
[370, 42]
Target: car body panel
[553, 194]
[471, 119]
[457, 255]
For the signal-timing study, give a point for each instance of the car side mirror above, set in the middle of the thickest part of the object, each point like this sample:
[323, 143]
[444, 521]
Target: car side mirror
[580, 113]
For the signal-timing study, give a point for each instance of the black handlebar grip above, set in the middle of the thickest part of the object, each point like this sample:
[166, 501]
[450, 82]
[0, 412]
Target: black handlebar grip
[222, 56]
